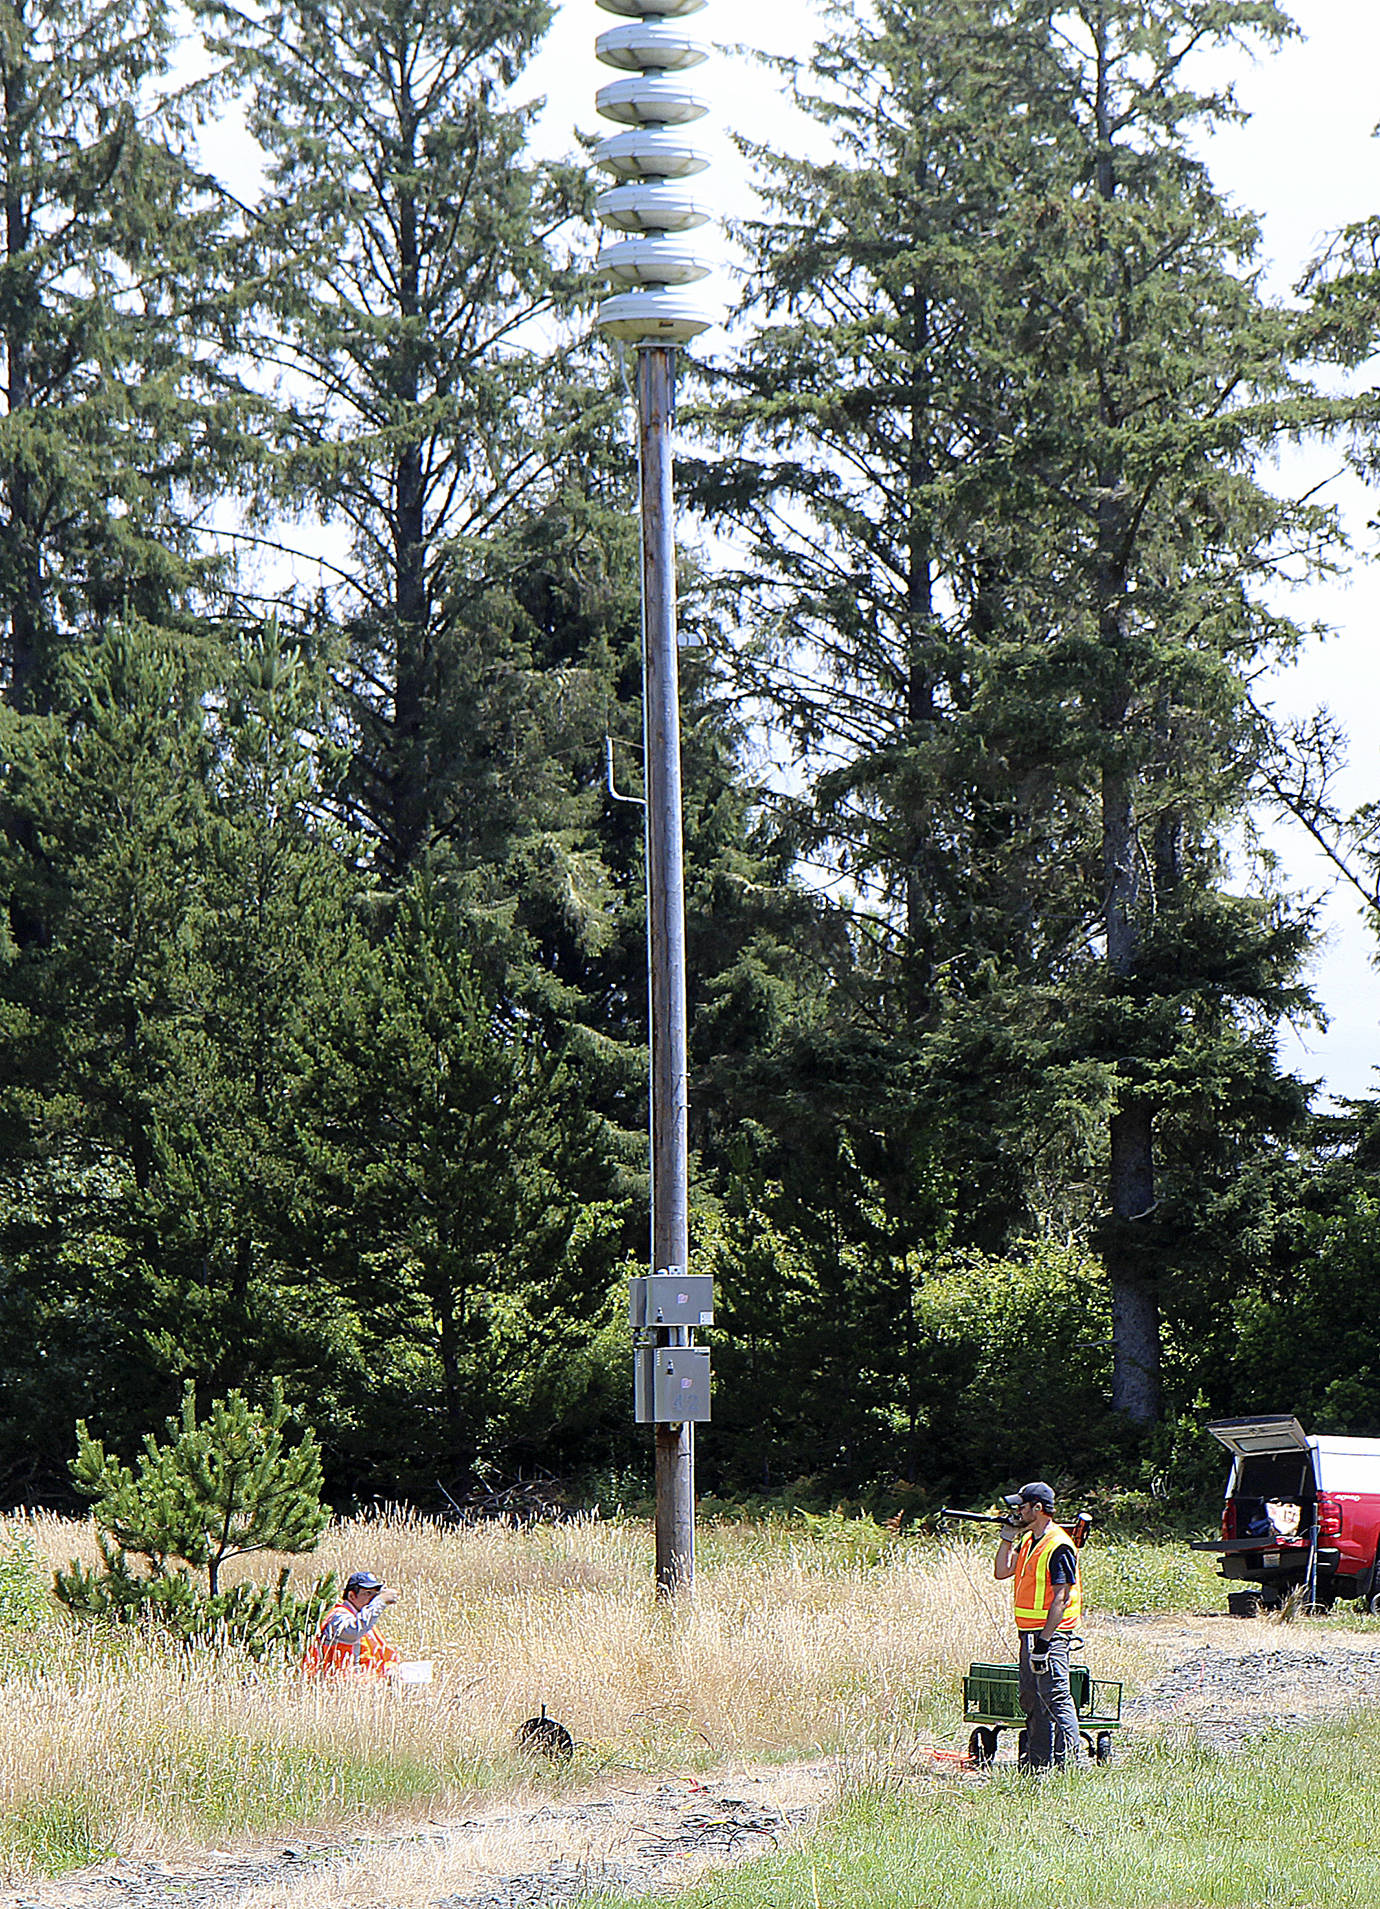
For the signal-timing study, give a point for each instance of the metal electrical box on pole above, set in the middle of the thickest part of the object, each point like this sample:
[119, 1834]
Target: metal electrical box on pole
[650, 267]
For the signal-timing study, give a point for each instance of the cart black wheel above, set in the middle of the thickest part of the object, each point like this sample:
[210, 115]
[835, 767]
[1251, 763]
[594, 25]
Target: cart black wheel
[982, 1748]
[1373, 1603]
[1102, 1749]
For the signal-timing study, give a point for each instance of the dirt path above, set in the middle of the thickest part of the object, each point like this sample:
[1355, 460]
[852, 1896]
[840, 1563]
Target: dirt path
[633, 1836]
[1222, 1683]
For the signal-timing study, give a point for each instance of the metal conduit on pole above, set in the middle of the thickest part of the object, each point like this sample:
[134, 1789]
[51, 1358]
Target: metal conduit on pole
[652, 311]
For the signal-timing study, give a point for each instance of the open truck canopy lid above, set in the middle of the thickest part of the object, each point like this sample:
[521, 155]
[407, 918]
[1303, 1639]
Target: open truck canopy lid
[1266, 1432]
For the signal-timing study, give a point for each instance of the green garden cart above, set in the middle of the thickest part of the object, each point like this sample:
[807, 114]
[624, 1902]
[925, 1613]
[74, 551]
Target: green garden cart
[992, 1703]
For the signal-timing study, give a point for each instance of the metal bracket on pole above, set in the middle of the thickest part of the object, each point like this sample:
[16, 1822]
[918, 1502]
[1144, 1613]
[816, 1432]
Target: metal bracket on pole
[638, 801]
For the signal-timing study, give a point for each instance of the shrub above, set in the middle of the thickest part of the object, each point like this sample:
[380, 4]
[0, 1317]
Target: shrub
[24, 1599]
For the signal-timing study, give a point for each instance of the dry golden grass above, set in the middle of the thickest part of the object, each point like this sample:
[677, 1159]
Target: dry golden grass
[793, 1644]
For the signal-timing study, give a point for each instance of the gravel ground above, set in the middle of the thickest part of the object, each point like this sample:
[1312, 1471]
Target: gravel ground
[637, 1838]
[1226, 1697]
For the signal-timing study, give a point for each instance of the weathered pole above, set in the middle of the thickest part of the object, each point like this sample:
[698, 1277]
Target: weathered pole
[653, 312]
[670, 1094]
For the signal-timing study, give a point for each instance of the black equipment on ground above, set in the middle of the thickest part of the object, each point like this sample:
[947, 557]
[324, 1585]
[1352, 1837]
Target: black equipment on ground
[544, 1737]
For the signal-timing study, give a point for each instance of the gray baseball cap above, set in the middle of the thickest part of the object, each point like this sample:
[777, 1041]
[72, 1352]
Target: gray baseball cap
[1037, 1493]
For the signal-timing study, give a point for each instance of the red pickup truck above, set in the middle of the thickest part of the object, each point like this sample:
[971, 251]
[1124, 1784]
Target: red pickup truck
[1299, 1511]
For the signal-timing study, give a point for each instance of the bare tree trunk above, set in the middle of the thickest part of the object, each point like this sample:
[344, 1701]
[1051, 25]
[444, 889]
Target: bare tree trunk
[1135, 1300]
[24, 581]
[409, 792]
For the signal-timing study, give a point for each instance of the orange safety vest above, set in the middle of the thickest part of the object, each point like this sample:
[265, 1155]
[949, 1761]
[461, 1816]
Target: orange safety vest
[368, 1656]
[1032, 1587]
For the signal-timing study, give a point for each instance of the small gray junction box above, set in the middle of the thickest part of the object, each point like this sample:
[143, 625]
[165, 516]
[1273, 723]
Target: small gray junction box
[670, 1385]
[671, 1299]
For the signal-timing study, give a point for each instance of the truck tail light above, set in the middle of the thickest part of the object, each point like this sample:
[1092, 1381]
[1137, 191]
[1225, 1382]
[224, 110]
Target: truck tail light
[1229, 1519]
[1329, 1516]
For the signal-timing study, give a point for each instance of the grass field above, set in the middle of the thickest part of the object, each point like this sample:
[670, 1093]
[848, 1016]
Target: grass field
[1169, 1826]
[805, 1636]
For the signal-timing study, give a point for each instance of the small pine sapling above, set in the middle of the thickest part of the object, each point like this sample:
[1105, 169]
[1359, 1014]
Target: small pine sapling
[218, 1488]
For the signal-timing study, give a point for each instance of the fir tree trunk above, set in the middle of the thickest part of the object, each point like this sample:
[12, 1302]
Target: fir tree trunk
[1131, 1167]
[410, 800]
[920, 683]
[1131, 1163]
[22, 583]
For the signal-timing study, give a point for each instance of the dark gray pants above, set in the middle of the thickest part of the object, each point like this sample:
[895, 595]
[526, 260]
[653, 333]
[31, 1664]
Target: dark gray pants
[1051, 1722]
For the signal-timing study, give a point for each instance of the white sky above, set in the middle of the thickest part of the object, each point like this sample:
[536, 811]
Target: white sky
[1307, 163]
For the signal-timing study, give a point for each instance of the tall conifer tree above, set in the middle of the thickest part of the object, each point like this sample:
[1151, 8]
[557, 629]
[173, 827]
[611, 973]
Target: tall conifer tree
[407, 270]
[1010, 375]
[107, 430]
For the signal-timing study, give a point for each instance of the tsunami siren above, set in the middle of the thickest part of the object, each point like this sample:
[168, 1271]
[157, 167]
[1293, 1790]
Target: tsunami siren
[651, 266]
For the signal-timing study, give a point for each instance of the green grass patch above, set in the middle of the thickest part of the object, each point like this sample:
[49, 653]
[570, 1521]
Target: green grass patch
[1127, 1576]
[234, 1784]
[1291, 1824]
[248, 1783]
[55, 1833]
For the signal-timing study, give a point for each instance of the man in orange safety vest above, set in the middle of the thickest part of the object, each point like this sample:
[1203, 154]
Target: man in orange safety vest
[1042, 1560]
[346, 1642]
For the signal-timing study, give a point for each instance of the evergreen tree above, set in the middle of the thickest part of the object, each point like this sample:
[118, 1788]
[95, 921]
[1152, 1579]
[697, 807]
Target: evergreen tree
[111, 429]
[222, 1487]
[1010, 374]
[194, 913]
[460, 1201]
[1158, 375]
[254, 1124]
[407, 268]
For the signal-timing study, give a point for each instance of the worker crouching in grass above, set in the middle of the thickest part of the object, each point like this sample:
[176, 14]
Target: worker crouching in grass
[1042, 1560]
[347, 1643]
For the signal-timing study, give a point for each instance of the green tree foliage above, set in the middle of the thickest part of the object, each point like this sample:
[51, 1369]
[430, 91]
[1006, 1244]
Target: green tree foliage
[998, 420]
[193, 911]
[257, 1126]
[322, 981]
[849, 1358]
[1172, 376]
[460, 1199]
[222, 1487]
[406, 270]
[219, 1488]
[110, 427]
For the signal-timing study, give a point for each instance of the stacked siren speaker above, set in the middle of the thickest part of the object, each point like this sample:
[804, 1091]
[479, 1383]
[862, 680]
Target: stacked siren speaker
[652, 263]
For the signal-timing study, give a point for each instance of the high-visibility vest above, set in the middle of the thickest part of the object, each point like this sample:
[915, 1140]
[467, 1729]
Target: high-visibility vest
[368, 1654]
[1032, 1587]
